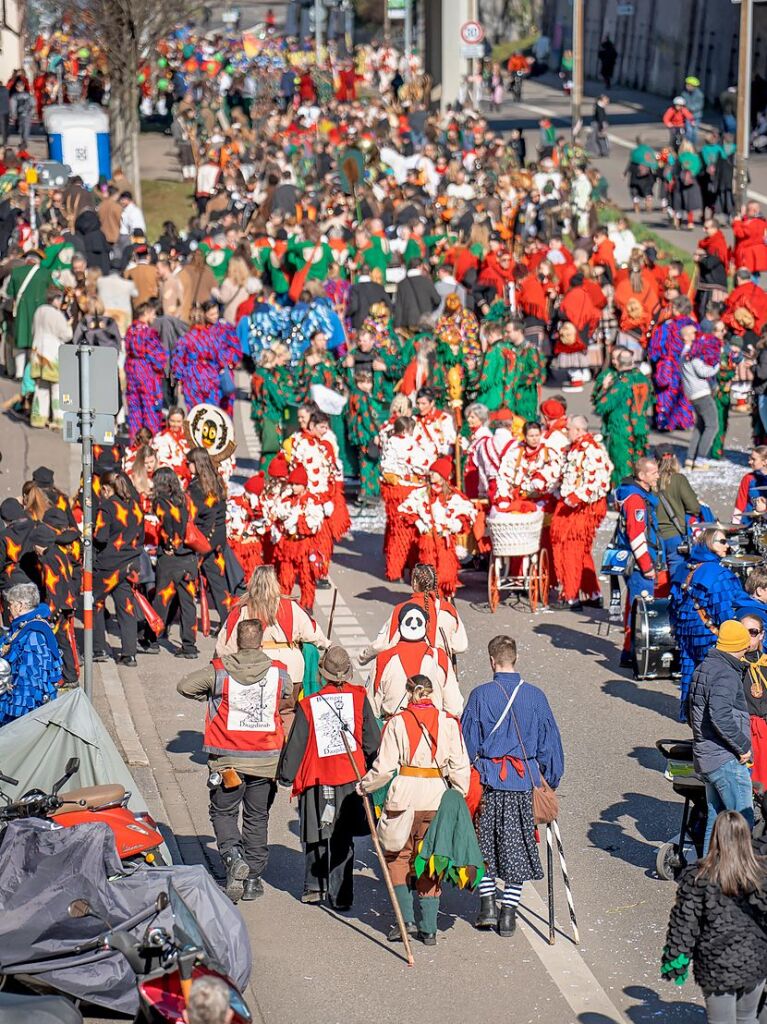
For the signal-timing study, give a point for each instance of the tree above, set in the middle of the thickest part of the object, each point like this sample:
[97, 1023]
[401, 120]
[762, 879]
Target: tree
[128, 31]
[509, 19]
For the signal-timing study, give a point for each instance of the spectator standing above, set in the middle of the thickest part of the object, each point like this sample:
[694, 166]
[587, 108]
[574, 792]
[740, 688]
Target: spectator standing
[696, 378]
[31, 650]
[718, 924]
[608, 57]
[721, 726]
[50, 330]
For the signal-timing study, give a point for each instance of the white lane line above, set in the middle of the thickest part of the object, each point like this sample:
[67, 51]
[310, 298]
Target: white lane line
[614, 138]
[565, 966]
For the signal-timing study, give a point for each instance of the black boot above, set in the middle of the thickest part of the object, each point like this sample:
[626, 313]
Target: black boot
[488, 913]
[237, 871]
[507, 922]
[253, 888]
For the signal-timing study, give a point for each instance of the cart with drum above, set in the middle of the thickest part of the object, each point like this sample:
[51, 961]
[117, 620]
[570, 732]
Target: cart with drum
[518, 563]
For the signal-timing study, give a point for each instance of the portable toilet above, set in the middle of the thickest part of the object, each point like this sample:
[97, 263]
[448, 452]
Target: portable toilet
[78, 135]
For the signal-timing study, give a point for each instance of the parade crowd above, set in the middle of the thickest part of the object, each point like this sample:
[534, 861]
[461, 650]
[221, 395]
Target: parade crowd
[392, 288]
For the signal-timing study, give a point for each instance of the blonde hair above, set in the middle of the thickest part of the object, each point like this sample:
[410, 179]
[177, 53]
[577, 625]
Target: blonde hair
[34, 500]
[238, 271]
[400, 406]
[262, 599]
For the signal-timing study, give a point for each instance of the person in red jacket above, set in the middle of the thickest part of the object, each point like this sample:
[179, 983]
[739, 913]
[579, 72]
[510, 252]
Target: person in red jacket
[244, 735]
[746, 294]
[578, 307]
[748, 231]
[324, 780]
[676, 118]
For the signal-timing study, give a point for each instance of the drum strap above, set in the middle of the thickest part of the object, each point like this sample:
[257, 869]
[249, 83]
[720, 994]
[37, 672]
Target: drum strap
[671, 514]
[705, 618]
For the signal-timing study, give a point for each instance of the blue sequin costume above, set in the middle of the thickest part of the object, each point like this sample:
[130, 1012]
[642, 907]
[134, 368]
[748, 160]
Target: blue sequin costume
[35, 661]
[711, 596]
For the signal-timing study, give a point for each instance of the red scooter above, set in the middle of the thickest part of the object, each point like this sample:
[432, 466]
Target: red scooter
[167, 962]
[136, 835]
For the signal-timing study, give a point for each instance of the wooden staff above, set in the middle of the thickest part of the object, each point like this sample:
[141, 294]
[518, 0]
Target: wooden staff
[380, 854]
[332, 612]
[550, 874]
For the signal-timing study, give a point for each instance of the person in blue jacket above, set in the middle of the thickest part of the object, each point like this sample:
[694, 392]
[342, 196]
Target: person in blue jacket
[513, 740]
[703, 594]
[31, 650]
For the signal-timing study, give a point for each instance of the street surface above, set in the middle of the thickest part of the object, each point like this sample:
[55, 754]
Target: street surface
[616, 810]
[313, 964]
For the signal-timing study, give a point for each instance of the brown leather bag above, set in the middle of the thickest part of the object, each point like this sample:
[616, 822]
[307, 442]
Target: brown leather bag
[545, 799]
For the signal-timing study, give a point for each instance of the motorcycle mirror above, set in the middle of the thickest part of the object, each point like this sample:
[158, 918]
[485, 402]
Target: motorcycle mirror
[79, 908]
[161, 902]
[72, 766]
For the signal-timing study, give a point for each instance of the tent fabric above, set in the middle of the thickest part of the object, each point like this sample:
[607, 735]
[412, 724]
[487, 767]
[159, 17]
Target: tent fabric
[35, 748]
[43, 868]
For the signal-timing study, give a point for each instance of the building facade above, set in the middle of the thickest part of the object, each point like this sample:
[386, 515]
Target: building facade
[660, 42]
[12, 29]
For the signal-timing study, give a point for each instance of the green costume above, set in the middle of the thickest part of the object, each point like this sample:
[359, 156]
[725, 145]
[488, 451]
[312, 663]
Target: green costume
[644, 156]
[32, 296]
[299, 254]
[273, 396]
[623, 400]
[523, 384]
[724, 380]
[364, 420]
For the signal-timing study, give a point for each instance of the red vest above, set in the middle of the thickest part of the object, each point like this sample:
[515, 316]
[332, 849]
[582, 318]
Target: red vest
[411, 655]
[325, 761]
[432, 606]
[244, 720]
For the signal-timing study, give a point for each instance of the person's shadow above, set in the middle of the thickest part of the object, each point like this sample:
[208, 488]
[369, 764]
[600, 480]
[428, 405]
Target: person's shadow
[655, 1009]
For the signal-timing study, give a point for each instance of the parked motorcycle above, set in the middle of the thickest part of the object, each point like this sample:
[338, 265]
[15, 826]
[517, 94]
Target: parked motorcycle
[136, 834]
[23, 1009]
[166, 963]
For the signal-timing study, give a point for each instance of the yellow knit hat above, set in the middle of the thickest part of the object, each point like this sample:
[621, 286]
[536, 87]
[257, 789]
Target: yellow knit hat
[733, 636]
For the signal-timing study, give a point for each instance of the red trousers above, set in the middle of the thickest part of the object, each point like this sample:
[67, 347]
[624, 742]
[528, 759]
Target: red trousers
[399, 537]
[296, 561]
[759, 748]
[572, 537]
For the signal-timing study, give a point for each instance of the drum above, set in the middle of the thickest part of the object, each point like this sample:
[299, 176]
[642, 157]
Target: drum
[742, 565]
[656, 655]
[759, 537]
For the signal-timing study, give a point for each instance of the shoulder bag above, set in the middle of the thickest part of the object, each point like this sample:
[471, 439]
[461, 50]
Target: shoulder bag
[194, 538]
[545, 799]
[476, 790]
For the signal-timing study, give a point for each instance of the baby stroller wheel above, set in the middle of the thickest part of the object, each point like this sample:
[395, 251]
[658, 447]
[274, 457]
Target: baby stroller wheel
[668, 864]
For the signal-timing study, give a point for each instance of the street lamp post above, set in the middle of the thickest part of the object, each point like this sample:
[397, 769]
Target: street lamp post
[744, 101]
[317, 31]
[577, 93]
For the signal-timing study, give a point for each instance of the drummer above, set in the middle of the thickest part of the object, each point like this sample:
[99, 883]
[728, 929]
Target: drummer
[752, 492]
[638, 534]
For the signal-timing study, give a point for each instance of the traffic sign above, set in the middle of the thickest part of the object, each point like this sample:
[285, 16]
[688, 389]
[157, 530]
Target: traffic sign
[472, 51]
[472, 33]
[104, 396]
[103, 428]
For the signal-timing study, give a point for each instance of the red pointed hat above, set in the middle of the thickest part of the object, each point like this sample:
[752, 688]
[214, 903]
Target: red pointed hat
[552, 409]
[443, 466]
[278, 467]
[256, 484]
[298, 475]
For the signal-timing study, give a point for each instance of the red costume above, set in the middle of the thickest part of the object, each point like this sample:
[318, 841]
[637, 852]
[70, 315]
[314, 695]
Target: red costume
[750, 249]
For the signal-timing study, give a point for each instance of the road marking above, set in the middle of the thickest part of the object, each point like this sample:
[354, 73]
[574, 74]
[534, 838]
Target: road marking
[563, 963]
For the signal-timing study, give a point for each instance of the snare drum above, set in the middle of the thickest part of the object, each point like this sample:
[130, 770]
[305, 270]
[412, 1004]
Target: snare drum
[743, 565]
[656, 655]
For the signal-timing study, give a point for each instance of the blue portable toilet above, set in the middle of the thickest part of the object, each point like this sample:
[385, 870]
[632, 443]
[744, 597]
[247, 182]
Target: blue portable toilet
[78, 135]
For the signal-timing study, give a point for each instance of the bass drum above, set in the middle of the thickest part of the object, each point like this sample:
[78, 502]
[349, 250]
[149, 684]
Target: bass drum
[656, 655]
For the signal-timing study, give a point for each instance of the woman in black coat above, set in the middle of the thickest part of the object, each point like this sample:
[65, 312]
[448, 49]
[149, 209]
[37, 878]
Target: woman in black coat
[91, 242]
[718, 923]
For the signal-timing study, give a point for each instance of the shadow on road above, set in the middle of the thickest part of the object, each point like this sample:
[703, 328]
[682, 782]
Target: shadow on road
[655, 1009]
[655, 821]
[644, 695]
[188, 742]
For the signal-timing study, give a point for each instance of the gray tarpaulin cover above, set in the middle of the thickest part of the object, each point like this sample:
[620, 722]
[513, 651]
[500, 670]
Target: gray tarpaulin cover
[35, 748]
[43, 869]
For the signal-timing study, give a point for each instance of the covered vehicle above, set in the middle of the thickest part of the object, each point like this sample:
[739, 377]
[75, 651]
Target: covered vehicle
[44, 868]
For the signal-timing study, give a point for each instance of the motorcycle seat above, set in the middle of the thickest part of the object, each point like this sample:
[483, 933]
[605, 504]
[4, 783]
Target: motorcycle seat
[90, 797]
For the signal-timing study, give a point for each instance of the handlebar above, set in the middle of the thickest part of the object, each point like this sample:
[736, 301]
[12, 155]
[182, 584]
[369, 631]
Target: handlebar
[676, 749]
[8, 780]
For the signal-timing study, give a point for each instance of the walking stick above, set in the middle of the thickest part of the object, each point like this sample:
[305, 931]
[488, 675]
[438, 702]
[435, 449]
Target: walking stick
[550, 874]
[565, 876]
[380, 855]
[332, 612]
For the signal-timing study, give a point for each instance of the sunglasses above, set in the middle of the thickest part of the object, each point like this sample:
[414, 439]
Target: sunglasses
[755, 632]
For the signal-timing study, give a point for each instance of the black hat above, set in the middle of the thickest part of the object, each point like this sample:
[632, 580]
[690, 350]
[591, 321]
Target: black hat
[11, 509]
[42, 536]
[43, 476]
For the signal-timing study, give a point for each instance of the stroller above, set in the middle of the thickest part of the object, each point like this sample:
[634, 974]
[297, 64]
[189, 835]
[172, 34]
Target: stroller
[685, 848]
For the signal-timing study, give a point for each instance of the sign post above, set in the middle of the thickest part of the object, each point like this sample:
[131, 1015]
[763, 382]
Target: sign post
[743, 130]
[577, 96]
[89, 398]
[472, 39]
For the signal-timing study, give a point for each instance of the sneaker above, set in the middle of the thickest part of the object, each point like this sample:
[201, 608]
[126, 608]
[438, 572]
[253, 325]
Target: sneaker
[323, 584]
[428, 938]
[187, 652]
[394, 934]
[252, 889]
[100, 657]
[585, 376]
[127, 661]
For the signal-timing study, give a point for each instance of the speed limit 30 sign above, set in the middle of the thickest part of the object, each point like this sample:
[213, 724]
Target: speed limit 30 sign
[472, 33]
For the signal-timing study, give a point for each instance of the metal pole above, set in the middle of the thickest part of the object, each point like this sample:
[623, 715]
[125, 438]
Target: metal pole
[473, 65]
[32, 215]
[408, 39]
[317, 31]
[86, 432]
[577, 95]
[744, 102]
